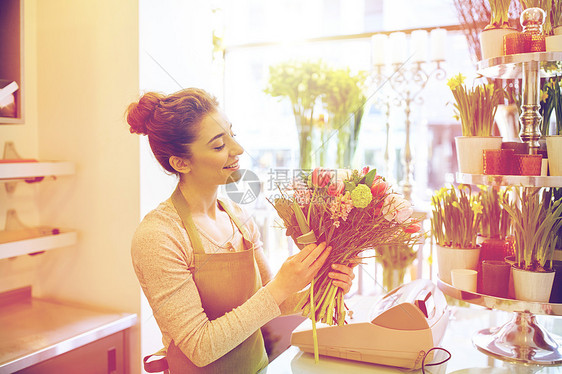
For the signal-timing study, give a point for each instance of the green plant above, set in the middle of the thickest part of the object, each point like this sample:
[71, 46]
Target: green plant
[499, 14]
[456, 215]
[302, 83]
[550, 94]
[551, 100]
[536, 220]
[344, 100]
[475, 107]
[556, 13]
[495, 221]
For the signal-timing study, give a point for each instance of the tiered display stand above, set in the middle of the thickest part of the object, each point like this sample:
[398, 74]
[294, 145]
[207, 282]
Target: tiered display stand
[522, 339]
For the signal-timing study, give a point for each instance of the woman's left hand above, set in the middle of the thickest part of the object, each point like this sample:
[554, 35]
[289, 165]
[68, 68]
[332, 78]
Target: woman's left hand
[342, 276]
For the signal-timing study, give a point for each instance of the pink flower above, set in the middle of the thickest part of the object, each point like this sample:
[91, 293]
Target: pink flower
[379, 187]
[335, 188]
[413, 228]
[365, 170]
[339, 207]
[397, 208]
[320, 177]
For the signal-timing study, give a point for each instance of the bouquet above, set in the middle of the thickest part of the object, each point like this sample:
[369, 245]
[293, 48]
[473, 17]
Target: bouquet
[351, 211]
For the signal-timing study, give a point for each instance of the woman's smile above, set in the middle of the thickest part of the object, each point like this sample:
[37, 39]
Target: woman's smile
[233, 166]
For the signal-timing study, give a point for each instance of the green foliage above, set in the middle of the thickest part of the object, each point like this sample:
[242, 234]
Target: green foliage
[495, 222]
[339, 91]
[536, 219]
[456, 215]
[499, 16]
[476, 107]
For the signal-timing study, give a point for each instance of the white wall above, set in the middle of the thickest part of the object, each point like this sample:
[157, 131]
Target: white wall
[175, 52]
[81, 72]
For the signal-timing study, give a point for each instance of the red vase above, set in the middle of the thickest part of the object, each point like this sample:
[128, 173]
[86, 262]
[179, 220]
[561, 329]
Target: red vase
[491, 159]
[529, 164]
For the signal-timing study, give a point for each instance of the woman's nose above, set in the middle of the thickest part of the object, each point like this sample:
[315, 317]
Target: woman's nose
[236, 148]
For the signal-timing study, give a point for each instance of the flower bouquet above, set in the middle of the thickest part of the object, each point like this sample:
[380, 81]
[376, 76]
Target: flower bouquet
[351, 211]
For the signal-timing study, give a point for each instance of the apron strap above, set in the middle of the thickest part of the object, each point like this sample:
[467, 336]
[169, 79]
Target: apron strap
[183, 210]
[236, 220]
[156, 366]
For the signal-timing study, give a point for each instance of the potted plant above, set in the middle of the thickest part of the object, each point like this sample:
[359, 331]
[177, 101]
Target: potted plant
[536, 220]
[475, 108]
[455, 220]
[302, 83]
[556, 294]
[491, 38]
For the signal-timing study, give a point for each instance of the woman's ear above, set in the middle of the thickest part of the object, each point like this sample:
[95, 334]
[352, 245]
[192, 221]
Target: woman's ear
[179, 164]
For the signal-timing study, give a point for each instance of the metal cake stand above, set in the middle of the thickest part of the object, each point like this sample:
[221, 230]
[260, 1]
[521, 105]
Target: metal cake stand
[520, 340]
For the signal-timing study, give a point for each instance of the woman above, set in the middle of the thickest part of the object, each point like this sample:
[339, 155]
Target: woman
[199, 260]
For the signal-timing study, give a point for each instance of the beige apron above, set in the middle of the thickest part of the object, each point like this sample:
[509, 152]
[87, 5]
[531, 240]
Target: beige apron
[224, 281]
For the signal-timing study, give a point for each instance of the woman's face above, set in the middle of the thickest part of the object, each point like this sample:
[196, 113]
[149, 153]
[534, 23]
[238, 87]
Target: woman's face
[215, 152]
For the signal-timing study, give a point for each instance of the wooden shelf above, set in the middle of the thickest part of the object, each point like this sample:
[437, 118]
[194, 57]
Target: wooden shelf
[24, 170]
[43, 243]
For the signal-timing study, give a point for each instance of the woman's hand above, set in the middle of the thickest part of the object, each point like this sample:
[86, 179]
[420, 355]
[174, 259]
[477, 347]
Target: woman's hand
[298, 271]
[343, 276]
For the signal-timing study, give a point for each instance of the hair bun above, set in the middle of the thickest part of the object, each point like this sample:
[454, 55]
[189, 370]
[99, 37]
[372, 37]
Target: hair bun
[139, 114]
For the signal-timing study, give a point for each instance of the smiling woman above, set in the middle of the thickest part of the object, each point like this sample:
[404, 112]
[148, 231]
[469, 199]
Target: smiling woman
[199, 260]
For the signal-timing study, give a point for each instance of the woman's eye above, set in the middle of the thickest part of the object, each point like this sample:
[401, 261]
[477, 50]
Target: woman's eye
[219, 148]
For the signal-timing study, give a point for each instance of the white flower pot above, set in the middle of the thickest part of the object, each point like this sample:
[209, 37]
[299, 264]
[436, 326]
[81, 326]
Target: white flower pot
[554, 150]
[469, 152]
[491, 42]
[532, 285]
[553, 43]
[455, 258]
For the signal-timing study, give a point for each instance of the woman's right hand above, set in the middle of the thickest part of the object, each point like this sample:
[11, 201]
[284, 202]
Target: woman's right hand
[298, 271]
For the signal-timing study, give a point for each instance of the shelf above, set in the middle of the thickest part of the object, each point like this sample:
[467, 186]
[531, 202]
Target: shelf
[509, 180]
[507, 305]
[511, 66]
[15, 171]
[44, 243]
[520, 340]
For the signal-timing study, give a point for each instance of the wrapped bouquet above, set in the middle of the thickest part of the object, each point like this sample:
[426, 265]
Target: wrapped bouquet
[351, 210]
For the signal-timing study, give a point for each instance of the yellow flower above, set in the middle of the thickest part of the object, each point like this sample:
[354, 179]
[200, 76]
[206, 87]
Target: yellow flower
[477, 207]
[456, 81]
[544, 96]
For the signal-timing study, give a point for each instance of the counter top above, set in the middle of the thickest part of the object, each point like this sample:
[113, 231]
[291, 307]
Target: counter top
[35, 330]
[465, 358]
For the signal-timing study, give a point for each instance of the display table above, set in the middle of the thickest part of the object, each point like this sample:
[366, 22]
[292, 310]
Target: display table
[465, 358]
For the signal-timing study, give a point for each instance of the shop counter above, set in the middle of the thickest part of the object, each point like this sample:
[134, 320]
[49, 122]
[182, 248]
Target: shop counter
[465, 358]
[38, 335]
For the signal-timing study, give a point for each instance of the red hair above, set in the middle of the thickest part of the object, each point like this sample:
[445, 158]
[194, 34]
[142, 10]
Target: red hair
[170, 122]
